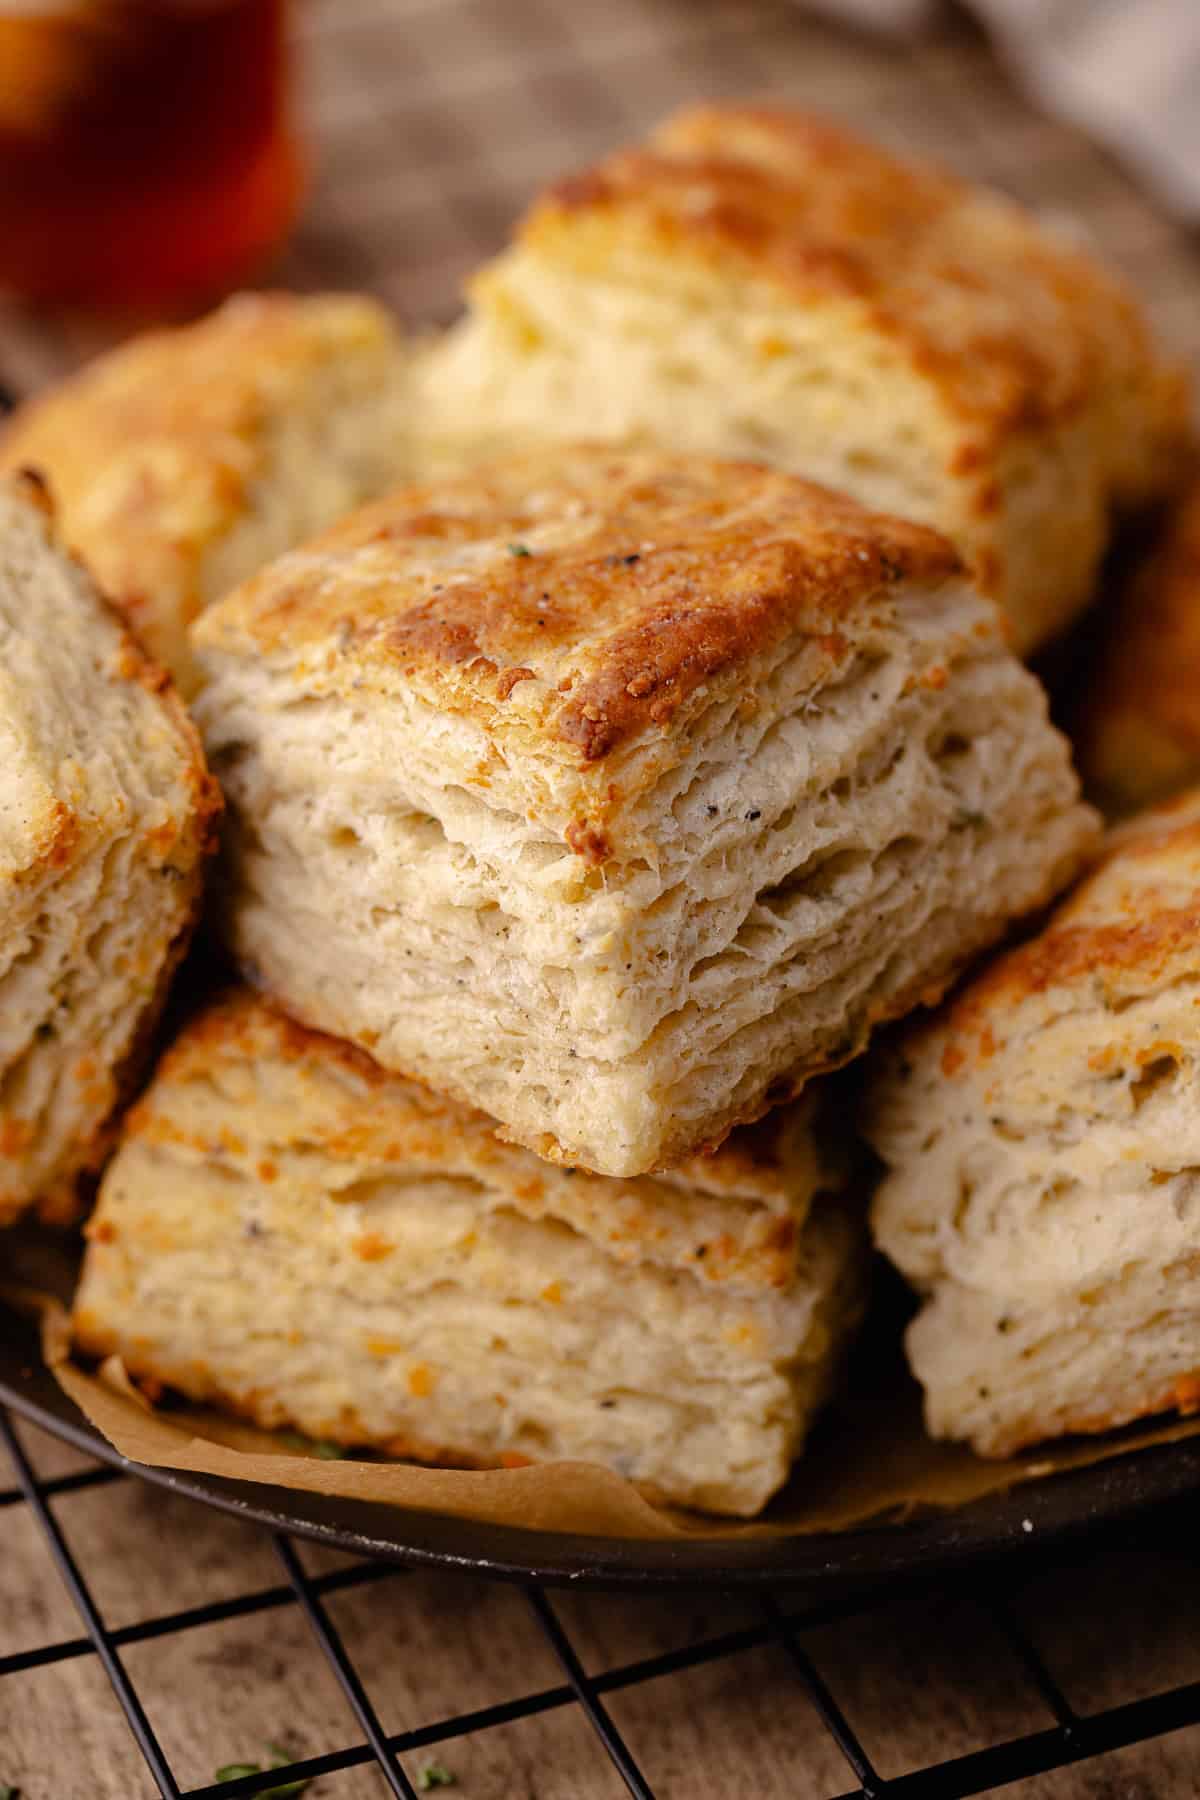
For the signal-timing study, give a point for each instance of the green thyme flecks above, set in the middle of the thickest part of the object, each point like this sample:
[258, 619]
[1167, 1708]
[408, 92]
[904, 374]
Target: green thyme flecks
[435, 1775]
[280, 1759]
[306, 1446]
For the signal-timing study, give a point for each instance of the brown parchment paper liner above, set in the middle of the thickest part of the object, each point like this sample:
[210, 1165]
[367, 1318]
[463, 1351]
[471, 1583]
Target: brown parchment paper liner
[870, 1461]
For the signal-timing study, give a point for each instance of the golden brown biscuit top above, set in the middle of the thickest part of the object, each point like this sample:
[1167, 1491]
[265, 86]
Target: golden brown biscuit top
[1131, 923]
[1011, 325]
[153, 448]
[578, 597]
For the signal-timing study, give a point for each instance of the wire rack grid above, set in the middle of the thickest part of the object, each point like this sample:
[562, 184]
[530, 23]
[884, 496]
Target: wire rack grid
[830, 1756]
[431, 124]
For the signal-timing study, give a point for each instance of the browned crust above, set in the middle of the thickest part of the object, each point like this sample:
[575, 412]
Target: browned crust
[32, 487]
[59, 840]
[679, 570]
[1013, 329]
[131, 663]
[1109, 929]
[199, 840]
[1072, 952]
[152, 449]
[60, 829]
[1139, 727]
[1182, 1397]
[683, 640]
[240, 1024]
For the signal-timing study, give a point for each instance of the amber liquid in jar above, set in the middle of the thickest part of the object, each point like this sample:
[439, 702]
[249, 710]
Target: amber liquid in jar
[146, 149]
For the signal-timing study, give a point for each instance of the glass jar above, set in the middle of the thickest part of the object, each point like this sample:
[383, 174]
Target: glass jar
[146, 146]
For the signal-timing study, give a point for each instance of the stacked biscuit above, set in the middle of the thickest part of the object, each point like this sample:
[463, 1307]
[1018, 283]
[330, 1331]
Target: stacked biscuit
[613, 795]
[588, 802]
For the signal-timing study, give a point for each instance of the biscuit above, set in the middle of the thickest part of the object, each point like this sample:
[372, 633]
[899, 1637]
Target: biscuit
[754, 283]
[106, 814]
[187, 458]
[1042, 1137]
[1138, 728]
[619, 793]
[293, 1234]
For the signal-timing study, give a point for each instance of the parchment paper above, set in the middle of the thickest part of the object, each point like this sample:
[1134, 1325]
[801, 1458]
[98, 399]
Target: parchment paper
[869, 1460]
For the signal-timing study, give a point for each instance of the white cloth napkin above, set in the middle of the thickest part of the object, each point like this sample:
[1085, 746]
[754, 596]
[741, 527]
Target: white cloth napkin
[1127, 71]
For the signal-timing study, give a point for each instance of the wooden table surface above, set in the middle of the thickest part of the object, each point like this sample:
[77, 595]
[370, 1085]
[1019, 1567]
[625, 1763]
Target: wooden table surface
[431, 124]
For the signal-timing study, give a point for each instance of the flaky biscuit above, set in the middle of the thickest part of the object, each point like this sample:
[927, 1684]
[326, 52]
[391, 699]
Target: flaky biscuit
[295, 1235]
[756, 283]
[187, 458]
[1042, 1137]
[619, 793]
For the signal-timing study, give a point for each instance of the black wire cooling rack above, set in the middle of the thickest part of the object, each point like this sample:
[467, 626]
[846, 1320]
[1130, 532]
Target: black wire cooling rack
[1074, 1735]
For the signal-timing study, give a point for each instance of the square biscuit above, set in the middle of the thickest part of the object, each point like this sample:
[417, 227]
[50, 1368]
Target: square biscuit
[291, 1233]
[618, 794]
[1042, 1142]
[186, 458]
[751, 282]
[106, 819]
